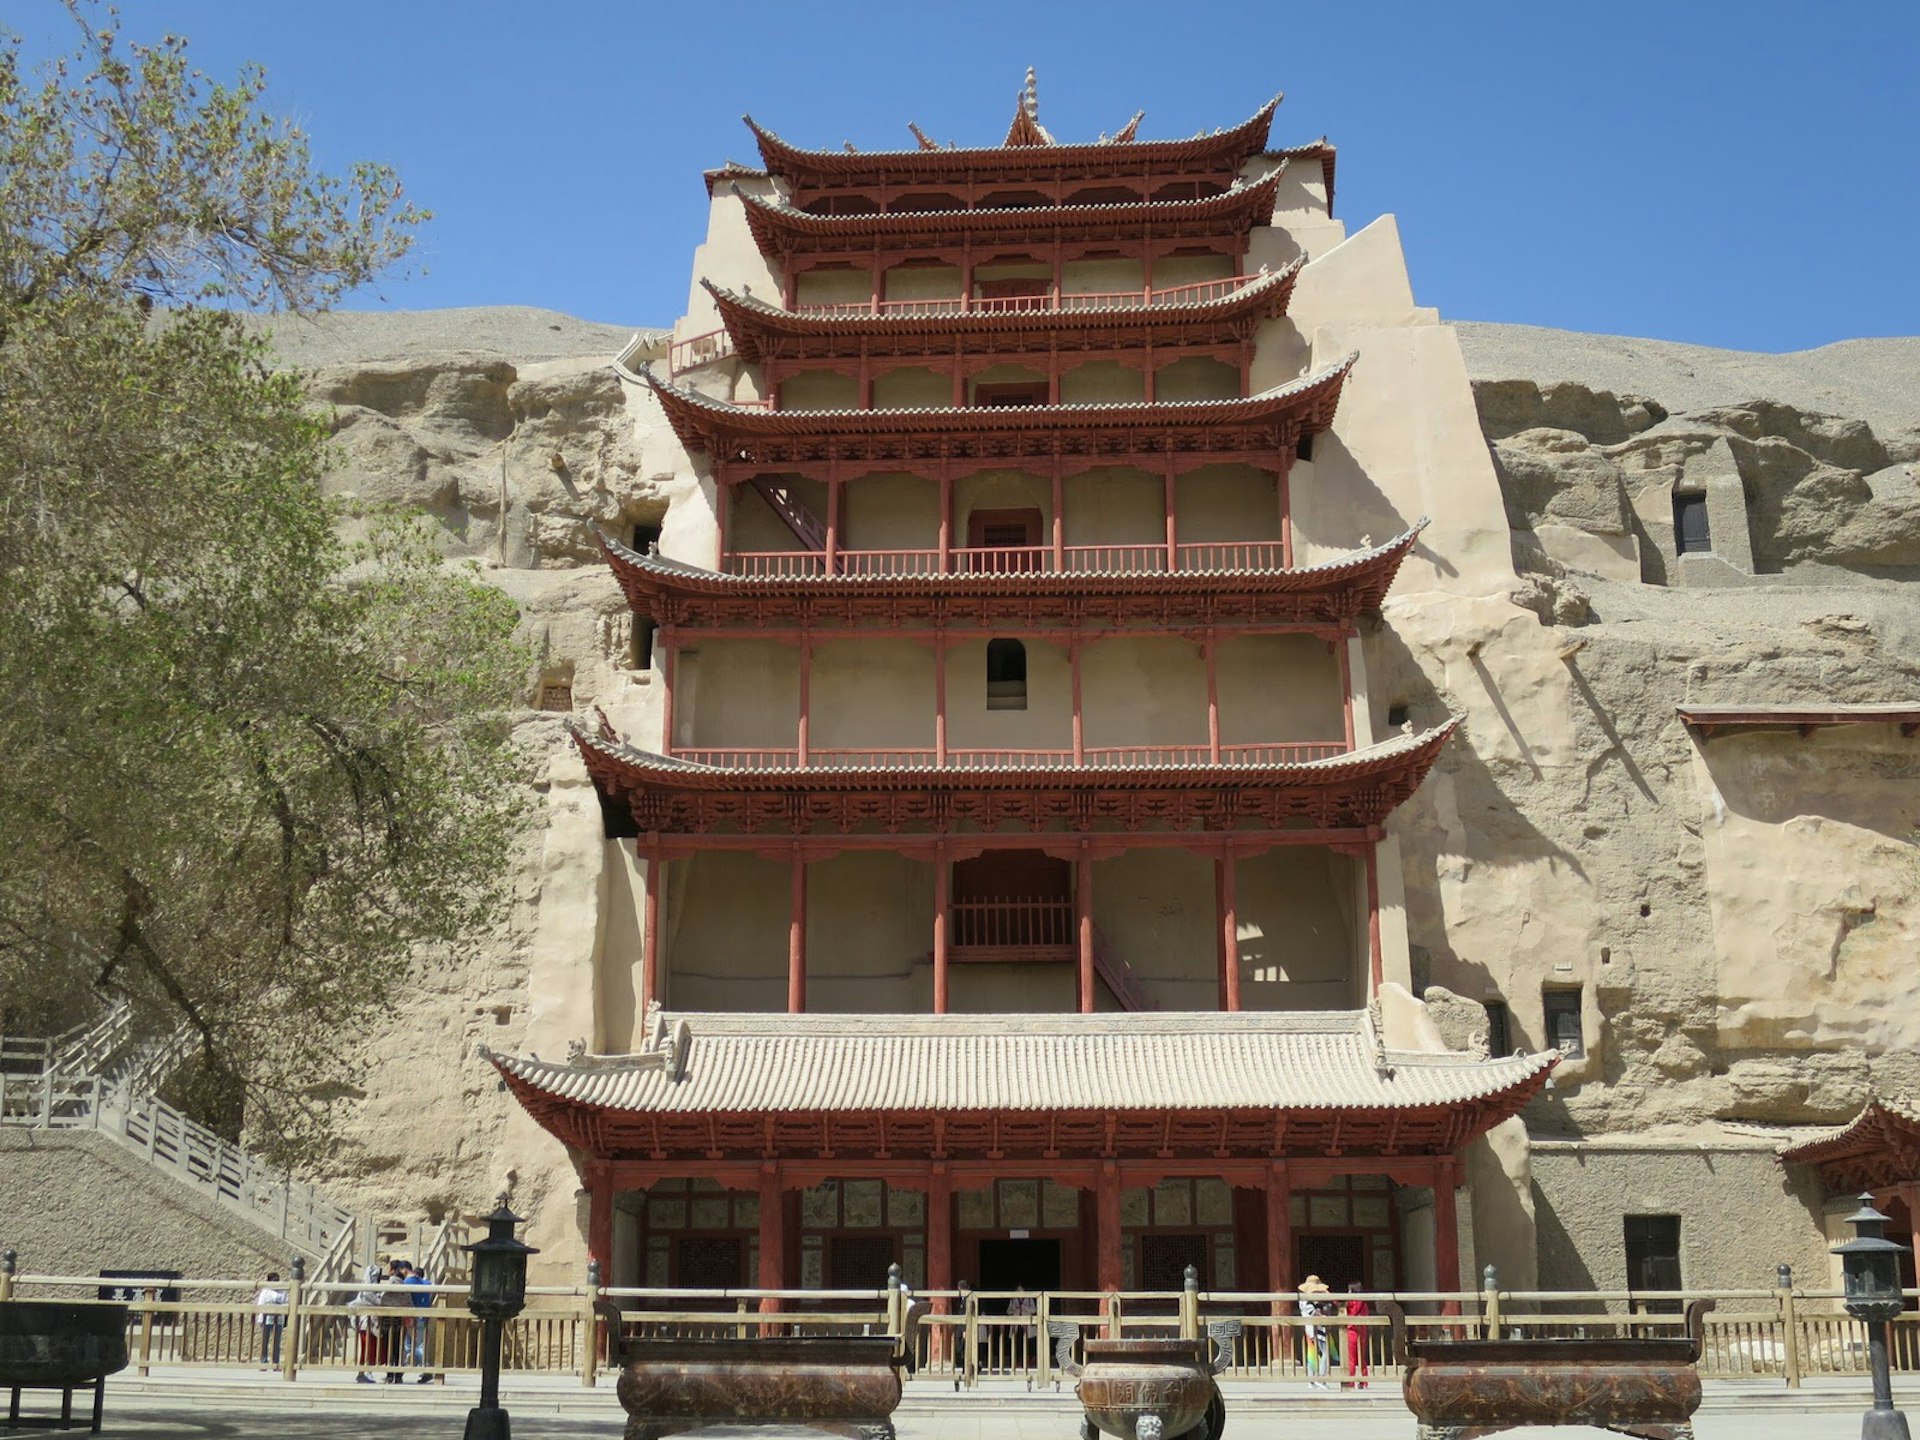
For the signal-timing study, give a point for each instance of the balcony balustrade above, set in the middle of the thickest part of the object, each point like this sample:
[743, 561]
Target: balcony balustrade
[1012, 560]
[1093, 757]
[1147, 297]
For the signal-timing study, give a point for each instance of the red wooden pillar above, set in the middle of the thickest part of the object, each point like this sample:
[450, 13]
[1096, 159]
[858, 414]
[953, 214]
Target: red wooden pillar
[1149, 388]
[1279, 1231]
[940, 698]
[1346, 688]
[1083, 914]
[773, 1237]
[1107, 1230]
[946, 511]
[670, 669]
[1173, 539]
[797, 940]
[1073, 663]
[803, 731]
[650, 931]
[600, 1218]
[1446, 1231]
[1059, 519]
[1209, 648]
[1910, 1197]
[834, 487]
[1053, 374]
[722, 507]
[1376, 956]
[939, 1248]
[1286, 514]
[1229, 930]
[942, 906]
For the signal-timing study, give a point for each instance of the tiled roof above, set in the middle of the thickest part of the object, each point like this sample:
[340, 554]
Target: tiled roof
[1231, 146]
[1711, 719]
[689, 412]
[1372, 568]
[766, 1064]
[748, 315]
[1321, 150]
[1391, 757]
[1881, 1125]
[771, 220]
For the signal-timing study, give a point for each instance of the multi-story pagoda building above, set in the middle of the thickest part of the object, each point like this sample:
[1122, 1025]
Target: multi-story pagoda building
[1007, 829]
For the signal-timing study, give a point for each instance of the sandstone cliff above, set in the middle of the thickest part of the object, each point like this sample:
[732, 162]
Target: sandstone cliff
[1740, 915]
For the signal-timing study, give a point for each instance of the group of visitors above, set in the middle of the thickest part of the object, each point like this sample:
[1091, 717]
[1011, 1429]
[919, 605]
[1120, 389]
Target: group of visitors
[1326, 1347]
[379, 1340]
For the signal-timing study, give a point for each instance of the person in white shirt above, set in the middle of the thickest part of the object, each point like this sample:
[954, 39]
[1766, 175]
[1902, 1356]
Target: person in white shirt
[272, 1320]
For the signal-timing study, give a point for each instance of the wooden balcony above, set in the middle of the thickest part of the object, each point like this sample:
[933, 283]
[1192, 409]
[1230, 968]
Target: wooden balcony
[1240, 555]
[1091, 757]
[1014, 929]
[1064, 303]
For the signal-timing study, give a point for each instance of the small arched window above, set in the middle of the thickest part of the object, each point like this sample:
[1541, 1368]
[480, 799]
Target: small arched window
[1006, 675]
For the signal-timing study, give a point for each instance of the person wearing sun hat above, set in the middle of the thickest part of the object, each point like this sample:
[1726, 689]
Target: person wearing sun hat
[1314, 1337]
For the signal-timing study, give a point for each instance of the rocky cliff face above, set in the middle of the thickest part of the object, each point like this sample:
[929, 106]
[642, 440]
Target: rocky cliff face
[1740, 915]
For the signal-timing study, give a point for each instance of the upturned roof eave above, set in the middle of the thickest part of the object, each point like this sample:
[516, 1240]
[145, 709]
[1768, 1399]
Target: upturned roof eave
[782, 157]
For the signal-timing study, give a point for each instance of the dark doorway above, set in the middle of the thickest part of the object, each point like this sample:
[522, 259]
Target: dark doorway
[1164, 1260]
[1008, 1264]
[710, 1263]
[1337, 1259]
[1013, 905]
[859, 1262]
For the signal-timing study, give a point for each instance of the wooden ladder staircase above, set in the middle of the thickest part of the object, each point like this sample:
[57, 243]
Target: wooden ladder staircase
[1118, 976]
[782, 500]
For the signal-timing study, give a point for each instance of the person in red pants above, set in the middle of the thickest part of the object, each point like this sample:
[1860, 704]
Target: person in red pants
[1359, 1364]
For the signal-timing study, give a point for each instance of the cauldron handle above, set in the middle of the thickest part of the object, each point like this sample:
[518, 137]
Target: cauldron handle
[1064, 1334]
[1697, 1323]
[1398, 1319]
[1220, 1337]
[609, 1312]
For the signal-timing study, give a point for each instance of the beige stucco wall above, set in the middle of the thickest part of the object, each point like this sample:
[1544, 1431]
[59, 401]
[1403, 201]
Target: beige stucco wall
[739, 693]
[911, 386]
[891, 512]
[728, 919]
[1102, 382]
[1741, 1212]
[1197, 377]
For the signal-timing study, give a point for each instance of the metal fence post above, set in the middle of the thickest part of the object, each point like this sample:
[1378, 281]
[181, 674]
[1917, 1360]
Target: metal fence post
[1490, 1301]
[590, 1327]
[1789, 1326]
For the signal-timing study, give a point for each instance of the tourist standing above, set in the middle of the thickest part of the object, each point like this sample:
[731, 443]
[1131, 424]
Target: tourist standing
[366, 1325]
[1022, 1308]
[272, 1320]
[416, 1351]
[1313, 1336]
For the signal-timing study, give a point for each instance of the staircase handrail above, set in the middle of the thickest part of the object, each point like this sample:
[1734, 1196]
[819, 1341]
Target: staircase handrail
[1119, 976]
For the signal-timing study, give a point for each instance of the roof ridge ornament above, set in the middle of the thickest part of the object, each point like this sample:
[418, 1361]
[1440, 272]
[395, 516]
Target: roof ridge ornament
[927, 142]
[1026, 128]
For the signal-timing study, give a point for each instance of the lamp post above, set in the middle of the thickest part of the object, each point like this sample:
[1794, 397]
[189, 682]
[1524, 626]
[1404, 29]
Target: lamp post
[496, 1293]
[1871, 1265]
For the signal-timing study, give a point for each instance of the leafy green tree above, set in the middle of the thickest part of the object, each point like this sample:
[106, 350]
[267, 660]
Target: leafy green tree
[250, 771]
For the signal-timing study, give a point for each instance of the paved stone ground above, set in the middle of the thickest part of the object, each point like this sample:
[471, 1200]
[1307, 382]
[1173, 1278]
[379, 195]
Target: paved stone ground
[202, 1407]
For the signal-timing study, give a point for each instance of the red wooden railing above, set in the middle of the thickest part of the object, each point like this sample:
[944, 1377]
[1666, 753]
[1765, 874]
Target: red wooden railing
[1015, 560]
[1099, 757]
[1190, 294]
[1015, 927]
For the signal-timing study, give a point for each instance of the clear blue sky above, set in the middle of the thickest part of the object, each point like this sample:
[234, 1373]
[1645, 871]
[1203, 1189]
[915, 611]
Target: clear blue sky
[1737, 174]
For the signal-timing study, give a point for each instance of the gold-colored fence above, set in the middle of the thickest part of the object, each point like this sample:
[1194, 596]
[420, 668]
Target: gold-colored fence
[1782, 1334]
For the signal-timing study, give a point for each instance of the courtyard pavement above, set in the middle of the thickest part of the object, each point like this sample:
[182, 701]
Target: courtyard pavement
[244, 1406]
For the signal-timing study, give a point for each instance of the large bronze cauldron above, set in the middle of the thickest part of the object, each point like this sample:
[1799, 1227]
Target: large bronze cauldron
[47, 1345]
[844, 1384]
[1150, 1390]
[1459, 1389]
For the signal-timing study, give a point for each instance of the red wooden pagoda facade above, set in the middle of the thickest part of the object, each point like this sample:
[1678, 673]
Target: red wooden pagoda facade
[858, 452]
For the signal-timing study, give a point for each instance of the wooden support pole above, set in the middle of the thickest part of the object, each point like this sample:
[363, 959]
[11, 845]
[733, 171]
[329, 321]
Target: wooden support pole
[946, 513]
[650, 931]
[600, 1218]
[1173, 537]
[797, 939]
[939, 1248]
[1446, 1232]
[1279, 1230]
[1083, 914]
[834, 488]
[942, 906]
[1209, 648]
[722, 508]
[1224, 877]
[1286, 514]
[1107, 1230]
[803, 730]
[940, 699]
[1346, 688]
[1073, 664]
[1376, 954]
[773, 1239]
[670, 678]
[1059, 519]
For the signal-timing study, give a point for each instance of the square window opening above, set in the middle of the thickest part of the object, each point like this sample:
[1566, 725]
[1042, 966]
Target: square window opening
[1562, 1012]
